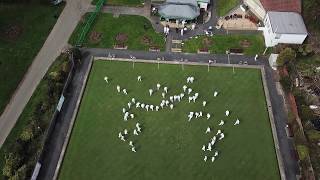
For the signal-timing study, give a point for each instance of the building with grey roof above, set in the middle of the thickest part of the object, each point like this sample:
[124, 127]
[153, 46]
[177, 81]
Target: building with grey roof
[284, 28]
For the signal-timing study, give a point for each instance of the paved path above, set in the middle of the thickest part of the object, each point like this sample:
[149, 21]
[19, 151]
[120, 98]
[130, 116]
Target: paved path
[286, 145]
[56, 41]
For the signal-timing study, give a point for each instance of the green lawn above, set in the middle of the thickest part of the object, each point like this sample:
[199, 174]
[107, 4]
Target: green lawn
[122, 2]
[134, 27]
[224, 6]
[33, 21]
[220, 43]
[169, 146]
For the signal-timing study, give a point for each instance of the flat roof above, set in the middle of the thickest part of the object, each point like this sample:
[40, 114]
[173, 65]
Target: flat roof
[287, 22]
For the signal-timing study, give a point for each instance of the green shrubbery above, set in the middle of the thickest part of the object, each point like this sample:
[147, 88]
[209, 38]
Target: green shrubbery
[21, 155]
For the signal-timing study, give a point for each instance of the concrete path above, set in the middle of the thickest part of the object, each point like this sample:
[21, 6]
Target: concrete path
[55, 43]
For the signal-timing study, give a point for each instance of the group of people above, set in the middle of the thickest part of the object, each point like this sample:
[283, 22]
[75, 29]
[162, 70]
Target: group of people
[170, 102]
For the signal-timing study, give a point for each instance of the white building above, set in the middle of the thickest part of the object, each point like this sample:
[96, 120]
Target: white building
[256, 8]
[284, 27]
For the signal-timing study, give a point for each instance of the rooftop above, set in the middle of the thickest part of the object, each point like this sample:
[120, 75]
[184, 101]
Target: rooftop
[287, 22]
[282, 5]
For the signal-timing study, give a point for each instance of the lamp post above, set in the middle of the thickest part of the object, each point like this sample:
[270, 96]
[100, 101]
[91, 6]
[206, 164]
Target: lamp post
[209, 62]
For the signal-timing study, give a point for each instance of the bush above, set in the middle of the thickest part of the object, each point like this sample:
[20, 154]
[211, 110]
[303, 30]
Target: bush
[286, 83]
[306, 114]
[285, 56]
[27, 134]
[303, 151]
[11, 164]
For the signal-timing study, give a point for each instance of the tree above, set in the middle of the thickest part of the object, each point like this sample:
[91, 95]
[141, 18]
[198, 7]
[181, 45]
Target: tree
[286, 83]
[11, 164]
[27, 134]
[287, 55]
[20, 173]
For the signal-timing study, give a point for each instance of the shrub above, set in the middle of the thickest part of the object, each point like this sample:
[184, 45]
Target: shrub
[306, 113]
[11, 164]
[286, 83]
[286, 56]
[303, 151]
[27, 134]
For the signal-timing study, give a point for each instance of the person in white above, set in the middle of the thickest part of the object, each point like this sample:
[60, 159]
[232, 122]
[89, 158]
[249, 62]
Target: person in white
[189, 90]
[216, 153]
[161, 105]
[190, 99]
[205, 158]
[181, 95]
[208, 116]
[151, 107]
[167, 102]
[221, 123]
[193, 26]
[181, 32]
[197, 114]
[171, 106]
[122, 138]
[194, 98]
[215, 94]
[184, 88]
[219, 132]
[204, 148]
[213, 140]
[191, 79]
[125, 117]
[132, 116]
[196, 95]
[150, 92]
[204, 103]
[118, 88]
[209, 147]
[142, 105]
[208, 130]
[147, 107]
[137, 125]
[157, 108]
[256, 57]
[129, 105]
[163, 95]
[125, 91]
[221, 136]
[125, 131]
[120, 135]
[158, 86]
[106, 79]
[179, 98]
[165, 89]
[237, 122]
[139, 129]
[212, 159]
[200, 113]
[227, 112]
[171, 98]
[133, 100]
[130, 143]
[139, 78]
[133, 149]
[188, 79]
[124, 110]
[135, 132]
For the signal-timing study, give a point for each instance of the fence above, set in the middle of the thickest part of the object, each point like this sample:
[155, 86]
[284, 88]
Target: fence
[54, 118]
[89, 22]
